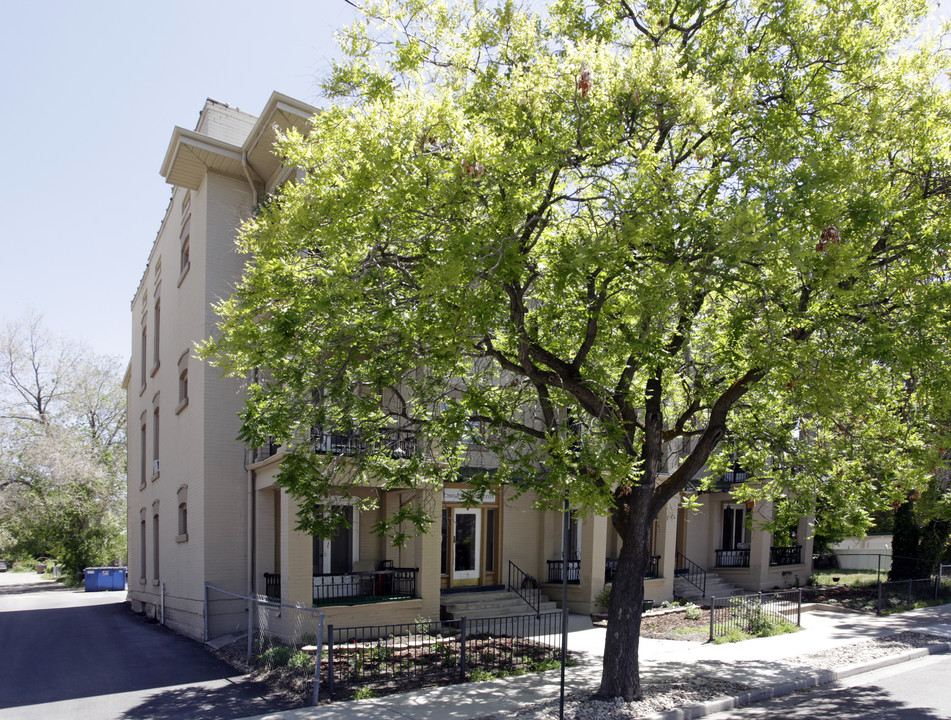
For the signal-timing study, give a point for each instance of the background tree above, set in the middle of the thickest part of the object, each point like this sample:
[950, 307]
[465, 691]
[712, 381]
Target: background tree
[596, 238]
[62, 449]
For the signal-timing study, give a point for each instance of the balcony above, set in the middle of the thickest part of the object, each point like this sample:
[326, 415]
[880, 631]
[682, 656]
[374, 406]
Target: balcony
[399, 442]
[739, 558]
[653, 568]
[610, 567]
[785, 555]
[255, 455]
[272, 586]
[361, 588]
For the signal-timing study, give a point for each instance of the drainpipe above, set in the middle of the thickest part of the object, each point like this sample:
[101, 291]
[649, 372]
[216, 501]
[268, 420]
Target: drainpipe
[252, 529]
[247, 174]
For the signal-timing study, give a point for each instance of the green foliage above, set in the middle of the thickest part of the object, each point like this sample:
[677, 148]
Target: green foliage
[300, 661]
[62, 450]
[603, 600]
[752, 620]
[603, 236]
[364, 693]
[276, 657]
[480, 675]
[693, 611]
[850, 578]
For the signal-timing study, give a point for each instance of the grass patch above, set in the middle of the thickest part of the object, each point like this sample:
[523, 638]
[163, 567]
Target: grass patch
[845, 578]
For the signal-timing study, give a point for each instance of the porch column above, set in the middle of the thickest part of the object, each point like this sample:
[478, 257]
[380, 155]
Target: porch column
[594, 534]
[666, 546]
[760, 542]
[297, 557]
[426, 555]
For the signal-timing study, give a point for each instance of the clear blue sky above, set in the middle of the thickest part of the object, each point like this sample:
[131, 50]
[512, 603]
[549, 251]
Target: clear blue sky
[89, 93]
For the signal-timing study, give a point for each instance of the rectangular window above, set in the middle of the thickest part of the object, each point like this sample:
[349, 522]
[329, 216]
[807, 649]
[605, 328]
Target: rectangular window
[155, 547]
[490, 539]
[155, 443]
[336, 554]
[734, 528]
[158, 336]
[444, 548]
[142, 555]
[144, 355]
[143, 456]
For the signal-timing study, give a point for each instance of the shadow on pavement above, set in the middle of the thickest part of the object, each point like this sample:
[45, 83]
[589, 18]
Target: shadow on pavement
[33, 587]
[199, 703]
[857, 703]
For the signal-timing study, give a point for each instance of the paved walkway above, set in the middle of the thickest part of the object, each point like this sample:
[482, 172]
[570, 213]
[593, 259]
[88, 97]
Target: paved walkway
[763, 664]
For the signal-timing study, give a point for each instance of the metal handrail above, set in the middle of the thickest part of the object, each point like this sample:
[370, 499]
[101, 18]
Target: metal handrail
[525, 586]
[691, 572]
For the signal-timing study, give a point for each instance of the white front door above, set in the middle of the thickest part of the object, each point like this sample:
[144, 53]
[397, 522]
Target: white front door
[467, 538]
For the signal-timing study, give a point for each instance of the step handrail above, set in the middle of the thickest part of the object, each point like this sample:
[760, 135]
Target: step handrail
[525, 586]
[691, 572]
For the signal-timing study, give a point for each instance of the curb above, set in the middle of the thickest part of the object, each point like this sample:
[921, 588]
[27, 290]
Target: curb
[820, 677]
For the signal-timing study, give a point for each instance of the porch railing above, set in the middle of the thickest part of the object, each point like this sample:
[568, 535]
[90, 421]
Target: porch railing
[555, 569]
[400, 442]
[733, 558]
[653, 568]
[357, 588]
[787, 555]
[258, 454]
[525, 586]
[687, 569]
[272, 586]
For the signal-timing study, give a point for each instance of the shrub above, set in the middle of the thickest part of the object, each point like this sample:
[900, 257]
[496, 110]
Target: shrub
[299, 661]
[480, 675]
[693, 611]
[276, 657]
[364, 693]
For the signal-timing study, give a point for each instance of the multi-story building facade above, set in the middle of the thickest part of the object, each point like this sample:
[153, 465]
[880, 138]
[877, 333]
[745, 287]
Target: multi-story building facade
[204, 509]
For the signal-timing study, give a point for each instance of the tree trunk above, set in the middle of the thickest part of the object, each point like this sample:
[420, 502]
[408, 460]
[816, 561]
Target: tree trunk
[620, 675]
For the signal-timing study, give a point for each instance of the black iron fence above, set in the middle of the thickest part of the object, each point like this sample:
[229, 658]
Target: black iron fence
[903, 594]
[453, 650]
[357, 588]
[766, 613]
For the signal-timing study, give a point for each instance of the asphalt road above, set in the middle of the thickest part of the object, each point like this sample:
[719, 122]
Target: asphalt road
[76, 655]
[916, 690]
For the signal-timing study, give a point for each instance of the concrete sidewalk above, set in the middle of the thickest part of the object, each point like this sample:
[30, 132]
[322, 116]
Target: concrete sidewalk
[763, 664]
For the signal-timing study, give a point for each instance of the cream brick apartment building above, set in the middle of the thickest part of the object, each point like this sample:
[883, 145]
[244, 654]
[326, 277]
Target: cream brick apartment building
[204, 509]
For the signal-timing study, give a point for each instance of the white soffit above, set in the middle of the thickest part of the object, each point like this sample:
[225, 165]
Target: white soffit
[190, 155]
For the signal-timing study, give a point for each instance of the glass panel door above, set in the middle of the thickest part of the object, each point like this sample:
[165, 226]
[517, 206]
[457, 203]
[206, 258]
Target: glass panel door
[466, 543]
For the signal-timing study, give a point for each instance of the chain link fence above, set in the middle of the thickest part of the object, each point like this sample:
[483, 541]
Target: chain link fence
[275, 636]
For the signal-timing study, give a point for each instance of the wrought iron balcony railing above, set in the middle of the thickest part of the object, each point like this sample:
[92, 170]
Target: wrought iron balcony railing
[785, 555]
[739, 558]
[358, 588]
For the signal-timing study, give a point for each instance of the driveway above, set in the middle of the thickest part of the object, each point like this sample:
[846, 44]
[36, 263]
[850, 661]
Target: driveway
[72, 654]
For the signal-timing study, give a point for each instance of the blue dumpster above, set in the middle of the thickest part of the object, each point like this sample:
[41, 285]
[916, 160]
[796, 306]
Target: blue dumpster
[105, 578]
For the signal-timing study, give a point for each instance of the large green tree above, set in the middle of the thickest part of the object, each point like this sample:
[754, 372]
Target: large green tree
[580, 242]
[62, 449]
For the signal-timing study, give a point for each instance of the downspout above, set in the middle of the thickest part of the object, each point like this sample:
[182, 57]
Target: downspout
[247, 174]
[252, 530]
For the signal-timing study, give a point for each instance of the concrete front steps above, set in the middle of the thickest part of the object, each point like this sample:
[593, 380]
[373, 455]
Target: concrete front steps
[716, 587]
[488, 603]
